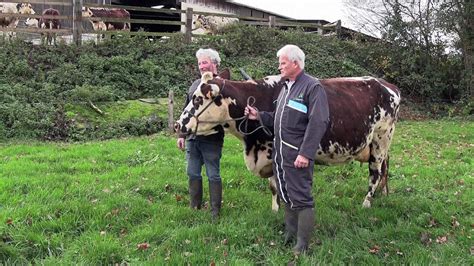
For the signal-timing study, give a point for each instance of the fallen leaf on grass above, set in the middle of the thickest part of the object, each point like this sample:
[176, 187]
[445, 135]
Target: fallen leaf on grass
[150, 199]
[425, 238]
[178, 197]
[374, 250]
[432, 222]
[106, 190]
[373, 219]
[441, 239]
[454, 222]
[212, 263]
[187, 254]
[143, 246]
[9, 221]
[187, 241]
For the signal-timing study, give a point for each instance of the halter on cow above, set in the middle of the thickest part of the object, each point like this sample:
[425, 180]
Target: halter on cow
[363, 113]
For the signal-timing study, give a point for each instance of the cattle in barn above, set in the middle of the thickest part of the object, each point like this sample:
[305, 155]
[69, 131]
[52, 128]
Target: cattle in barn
[363, 112]
[13, 8]
[51, 24]
[104, 13]
[210, 24]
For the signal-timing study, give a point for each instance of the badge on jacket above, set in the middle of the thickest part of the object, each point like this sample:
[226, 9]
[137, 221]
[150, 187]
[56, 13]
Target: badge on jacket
[297, 106]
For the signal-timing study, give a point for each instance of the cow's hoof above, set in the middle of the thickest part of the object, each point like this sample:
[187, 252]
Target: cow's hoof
[275, 208]
[366, 204]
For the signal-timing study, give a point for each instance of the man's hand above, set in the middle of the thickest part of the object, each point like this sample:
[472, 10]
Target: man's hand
[250, 112]
[301, 162]
[181, 143]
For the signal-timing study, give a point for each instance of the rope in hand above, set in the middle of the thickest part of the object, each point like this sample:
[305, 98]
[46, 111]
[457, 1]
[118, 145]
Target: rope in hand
[251, 102]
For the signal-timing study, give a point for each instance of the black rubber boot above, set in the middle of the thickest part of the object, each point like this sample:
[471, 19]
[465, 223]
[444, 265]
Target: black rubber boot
[195, 193]
[215, 194]
[291, 225]
[305, 230]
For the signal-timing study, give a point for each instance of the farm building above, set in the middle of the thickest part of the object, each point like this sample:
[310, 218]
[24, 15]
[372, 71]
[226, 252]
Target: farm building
[169, 16]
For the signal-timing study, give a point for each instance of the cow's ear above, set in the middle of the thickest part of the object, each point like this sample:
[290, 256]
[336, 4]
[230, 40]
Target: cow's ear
[210, 90]
[206, 90]
[225, 74]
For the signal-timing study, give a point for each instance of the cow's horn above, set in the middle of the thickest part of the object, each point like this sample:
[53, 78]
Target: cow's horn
[207, 76]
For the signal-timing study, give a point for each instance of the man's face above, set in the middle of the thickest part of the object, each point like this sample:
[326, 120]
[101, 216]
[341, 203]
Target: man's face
[206, 65]
[289, 69]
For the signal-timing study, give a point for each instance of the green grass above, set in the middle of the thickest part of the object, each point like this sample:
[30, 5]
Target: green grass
[116, 111]
[95, 202]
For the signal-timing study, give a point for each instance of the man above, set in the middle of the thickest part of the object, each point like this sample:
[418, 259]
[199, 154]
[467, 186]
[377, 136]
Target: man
[300, 121]
[205, 150]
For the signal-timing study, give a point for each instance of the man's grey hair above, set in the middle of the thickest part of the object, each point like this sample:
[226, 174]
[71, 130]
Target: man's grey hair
[294, 53]
[211, 53]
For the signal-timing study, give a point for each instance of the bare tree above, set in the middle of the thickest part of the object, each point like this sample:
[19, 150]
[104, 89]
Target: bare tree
[429, 26]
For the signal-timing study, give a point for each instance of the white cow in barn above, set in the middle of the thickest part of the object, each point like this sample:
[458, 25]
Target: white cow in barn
[13, 8]
[210, 24]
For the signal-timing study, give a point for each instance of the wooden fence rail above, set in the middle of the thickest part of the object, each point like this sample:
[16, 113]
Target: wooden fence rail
[77, 21]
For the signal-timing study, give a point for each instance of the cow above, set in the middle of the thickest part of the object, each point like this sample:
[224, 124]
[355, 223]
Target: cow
[104, 13]
[13, 8]
[363, 113]
[210, 25]
[49, 23]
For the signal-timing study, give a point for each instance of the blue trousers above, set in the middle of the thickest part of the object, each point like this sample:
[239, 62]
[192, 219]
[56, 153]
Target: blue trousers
[203, 152]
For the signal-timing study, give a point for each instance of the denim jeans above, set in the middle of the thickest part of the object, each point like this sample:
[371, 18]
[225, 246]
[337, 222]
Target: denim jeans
[203, 152]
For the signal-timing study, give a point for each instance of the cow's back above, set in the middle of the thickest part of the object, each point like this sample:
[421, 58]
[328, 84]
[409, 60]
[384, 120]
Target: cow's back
[357, 107]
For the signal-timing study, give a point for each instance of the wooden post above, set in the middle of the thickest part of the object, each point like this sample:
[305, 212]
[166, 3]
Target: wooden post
[170, 111]
[189, 25]
[338, 29]
[271, 21]
[77, 22]
[320, 29]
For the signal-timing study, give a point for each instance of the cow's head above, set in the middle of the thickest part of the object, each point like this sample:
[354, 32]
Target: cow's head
[86, 12]
[32, 23]
[208, 111]
[25, 8]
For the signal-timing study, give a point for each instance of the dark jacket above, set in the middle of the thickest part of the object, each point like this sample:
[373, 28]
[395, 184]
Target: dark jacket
[301, 117]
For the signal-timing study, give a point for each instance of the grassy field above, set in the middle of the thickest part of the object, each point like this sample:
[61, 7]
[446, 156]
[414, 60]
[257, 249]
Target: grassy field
[126, 201]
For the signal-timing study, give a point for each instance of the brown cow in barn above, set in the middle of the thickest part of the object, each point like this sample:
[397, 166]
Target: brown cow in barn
[13, 8]
[363, 112]
[103, 13]
[51, 24]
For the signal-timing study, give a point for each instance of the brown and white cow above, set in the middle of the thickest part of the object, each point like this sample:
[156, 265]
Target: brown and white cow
[101, 23]
[13, 8]
[49, 23]
[363, 112]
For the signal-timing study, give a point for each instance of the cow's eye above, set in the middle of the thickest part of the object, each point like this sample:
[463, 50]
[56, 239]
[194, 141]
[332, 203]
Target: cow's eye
[197, 101]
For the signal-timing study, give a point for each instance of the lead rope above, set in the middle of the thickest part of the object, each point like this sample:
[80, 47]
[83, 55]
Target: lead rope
[251, 102]
[245, 119]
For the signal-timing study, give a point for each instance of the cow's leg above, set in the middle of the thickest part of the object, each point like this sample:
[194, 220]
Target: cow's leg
[375, 170]
[275, 198]
[384, 180]
[378, 161]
